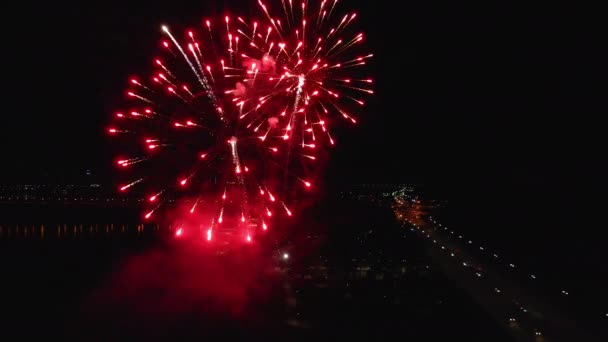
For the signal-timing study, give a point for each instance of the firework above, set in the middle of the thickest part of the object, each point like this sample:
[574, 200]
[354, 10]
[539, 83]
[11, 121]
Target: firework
[237, 111]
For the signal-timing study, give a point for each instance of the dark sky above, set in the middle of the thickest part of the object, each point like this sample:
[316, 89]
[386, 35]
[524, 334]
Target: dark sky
[496, 104]
[478, 93]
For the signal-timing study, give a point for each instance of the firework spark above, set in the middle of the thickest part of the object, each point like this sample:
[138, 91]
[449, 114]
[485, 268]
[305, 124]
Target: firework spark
[238, 110]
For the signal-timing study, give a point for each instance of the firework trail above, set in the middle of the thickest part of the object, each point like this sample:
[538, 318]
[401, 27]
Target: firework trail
[238, 110]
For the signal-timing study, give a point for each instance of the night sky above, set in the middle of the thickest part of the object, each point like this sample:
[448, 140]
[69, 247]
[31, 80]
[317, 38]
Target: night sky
[494, 106]
[466, 93]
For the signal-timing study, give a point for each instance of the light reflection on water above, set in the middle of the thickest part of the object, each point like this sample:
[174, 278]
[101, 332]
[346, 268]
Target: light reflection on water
[59, 231]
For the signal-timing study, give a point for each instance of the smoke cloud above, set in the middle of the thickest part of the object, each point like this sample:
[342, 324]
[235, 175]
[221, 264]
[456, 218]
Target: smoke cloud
[273, 121]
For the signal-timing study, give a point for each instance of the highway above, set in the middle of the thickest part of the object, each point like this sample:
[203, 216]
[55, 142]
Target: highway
[523, 315]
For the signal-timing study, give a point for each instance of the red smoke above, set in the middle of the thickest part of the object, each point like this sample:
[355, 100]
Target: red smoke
[186, 282]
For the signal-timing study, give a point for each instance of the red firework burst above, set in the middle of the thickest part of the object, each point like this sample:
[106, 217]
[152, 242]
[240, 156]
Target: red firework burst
[237, 113]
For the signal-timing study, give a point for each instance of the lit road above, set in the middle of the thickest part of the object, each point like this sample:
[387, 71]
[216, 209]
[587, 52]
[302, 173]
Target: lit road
[524, 316]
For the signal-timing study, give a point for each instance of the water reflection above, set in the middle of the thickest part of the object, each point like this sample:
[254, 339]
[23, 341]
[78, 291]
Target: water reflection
[62, 231]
